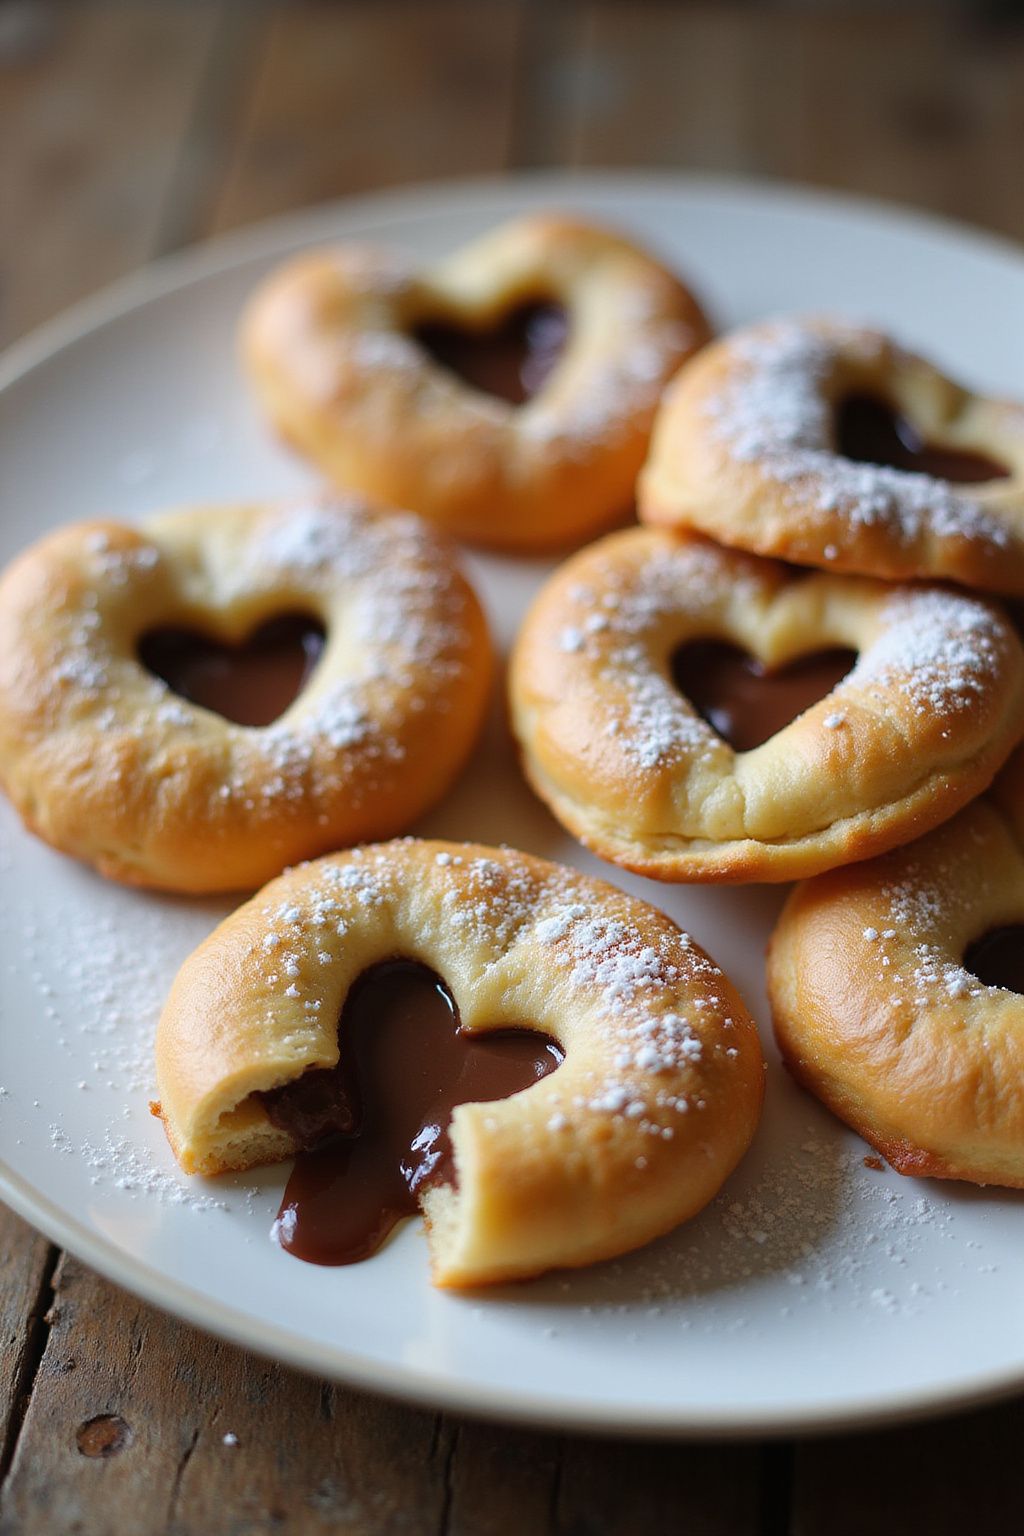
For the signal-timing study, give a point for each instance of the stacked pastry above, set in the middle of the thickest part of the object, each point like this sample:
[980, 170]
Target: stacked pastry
[764, 680]
[767, 681]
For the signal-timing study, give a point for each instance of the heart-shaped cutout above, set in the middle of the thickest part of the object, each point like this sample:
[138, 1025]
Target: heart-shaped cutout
[252, 683]
[373, 1131]
[744, 701]
[869, 431]
[511, 360]
[997, 958]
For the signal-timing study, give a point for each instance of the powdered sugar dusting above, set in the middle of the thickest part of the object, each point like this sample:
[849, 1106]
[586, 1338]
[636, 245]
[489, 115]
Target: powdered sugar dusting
[803, 1233]
[774, 410]
[400, 614]
[942, 651]
[918, 904]
[97, 1014]
[657, 1001]
[614, 623]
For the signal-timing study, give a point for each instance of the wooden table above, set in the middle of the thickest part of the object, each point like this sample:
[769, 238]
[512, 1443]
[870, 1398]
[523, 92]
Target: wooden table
[130, 129]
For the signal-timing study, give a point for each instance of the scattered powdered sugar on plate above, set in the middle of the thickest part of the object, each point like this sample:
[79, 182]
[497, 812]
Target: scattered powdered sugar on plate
[810, 1222]
[122, 1164]
[773, 410]
[97, 1013]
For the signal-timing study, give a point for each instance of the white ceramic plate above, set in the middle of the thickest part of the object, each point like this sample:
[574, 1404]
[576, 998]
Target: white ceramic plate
[814, 1291]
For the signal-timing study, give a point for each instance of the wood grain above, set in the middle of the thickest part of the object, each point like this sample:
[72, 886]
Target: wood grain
[126, 1431]
[353, 97]
[26, 1267]
[955, 1476]
[127, 1424]
[924, 104]
[97, 102]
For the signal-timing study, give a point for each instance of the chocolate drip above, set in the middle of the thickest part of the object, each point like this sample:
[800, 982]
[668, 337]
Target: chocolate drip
[252, 683]
[512, 360]
[871, 432]
[745, 702]
[997, 958]
[373, 1131]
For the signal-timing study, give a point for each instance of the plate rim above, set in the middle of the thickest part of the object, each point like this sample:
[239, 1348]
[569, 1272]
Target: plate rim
[415, 1385]
[419, 1388]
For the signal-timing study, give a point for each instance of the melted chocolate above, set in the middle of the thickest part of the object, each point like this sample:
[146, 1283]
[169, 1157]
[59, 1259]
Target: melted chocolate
[511, 360]
[252, 683]
[745, 702]
[871, 432]
[373, 1131]
[997, 958]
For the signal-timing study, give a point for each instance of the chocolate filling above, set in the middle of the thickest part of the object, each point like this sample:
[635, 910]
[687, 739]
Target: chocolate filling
[870, 431]
[997, 958]
[743, 700]
[372, 1132]
[511, 360]
[252, 683]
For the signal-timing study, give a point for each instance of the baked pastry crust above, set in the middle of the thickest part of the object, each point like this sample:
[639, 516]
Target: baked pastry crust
[655, 1102]
[930, 712]
[102, 760]
[876, 1015]
[743, 449]
[328, 344]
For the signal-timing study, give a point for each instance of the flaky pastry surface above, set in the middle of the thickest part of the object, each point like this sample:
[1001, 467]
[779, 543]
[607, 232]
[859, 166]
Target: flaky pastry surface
[744, 450]
[102, 760]
[655, 1102]
[931, 710]
[876, 1015]
[328, 343]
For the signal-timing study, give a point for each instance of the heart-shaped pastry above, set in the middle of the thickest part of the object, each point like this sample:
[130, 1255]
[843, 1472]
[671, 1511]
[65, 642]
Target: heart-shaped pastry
[820, 442]
[880, 751]
[197, 703]
[619, 1115]
[506, 392]
[896, 990]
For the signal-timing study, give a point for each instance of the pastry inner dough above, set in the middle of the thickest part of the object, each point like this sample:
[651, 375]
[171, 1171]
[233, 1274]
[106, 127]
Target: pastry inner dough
[372, 1132]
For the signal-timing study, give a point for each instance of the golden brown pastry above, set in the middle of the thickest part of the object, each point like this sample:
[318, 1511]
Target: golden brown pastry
[630, 765]
[829, 445]
[655, 1102]
[102, 759]
[506, 392]
[896, 994]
